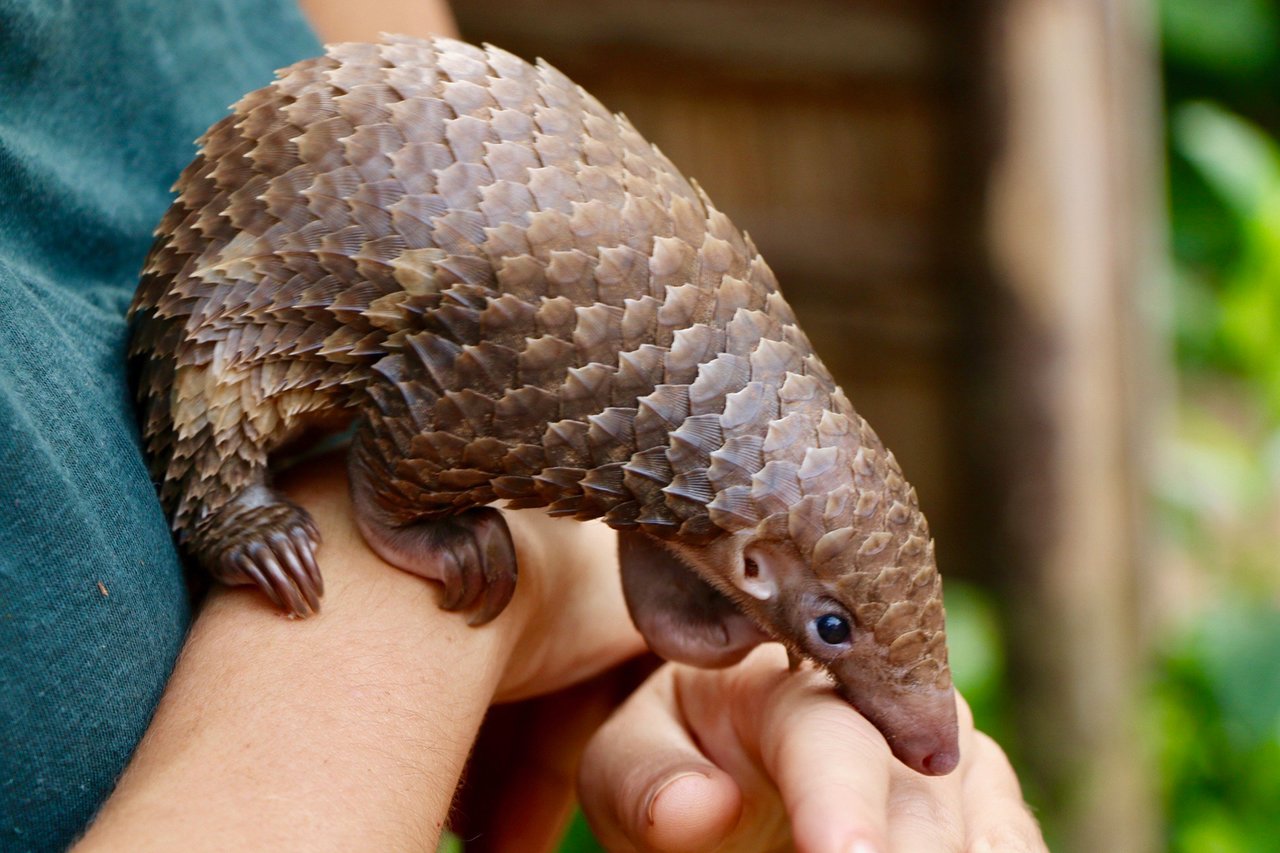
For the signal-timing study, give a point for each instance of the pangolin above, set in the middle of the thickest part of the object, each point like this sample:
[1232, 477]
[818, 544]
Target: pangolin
[513, 296]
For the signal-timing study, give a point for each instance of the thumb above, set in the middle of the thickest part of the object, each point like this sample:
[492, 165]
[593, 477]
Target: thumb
[645, 785]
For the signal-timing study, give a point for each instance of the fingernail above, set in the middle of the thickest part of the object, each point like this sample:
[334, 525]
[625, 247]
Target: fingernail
[653, 798]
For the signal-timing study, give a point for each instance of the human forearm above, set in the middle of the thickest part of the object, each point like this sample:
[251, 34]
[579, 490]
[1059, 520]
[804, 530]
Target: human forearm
[339, 20]
[346, 731]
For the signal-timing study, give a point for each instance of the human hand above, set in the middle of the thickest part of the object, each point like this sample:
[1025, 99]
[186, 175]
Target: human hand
[568, 609]
[754, 758]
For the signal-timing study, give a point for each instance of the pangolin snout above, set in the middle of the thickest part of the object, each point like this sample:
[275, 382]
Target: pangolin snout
[923, 732]
[920, 724]
[936, 753]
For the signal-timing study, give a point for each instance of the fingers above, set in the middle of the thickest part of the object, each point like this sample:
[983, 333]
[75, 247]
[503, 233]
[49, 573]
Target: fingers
[977, 809]
[675, 769]
[869, 801]
[831, 767]
[646, 785]
[995, 815]
[753, 758]
[518, 791]
[926, 813]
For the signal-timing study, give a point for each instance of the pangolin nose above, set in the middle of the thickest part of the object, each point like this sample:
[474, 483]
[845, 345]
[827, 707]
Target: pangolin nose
[940, 763]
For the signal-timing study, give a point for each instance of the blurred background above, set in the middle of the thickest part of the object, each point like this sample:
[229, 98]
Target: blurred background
[1038, 241]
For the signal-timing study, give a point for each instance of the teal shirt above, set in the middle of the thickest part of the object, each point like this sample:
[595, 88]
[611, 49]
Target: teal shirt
[100, 101]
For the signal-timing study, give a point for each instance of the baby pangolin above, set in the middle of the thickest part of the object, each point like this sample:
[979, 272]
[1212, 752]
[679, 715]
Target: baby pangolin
[517, 298]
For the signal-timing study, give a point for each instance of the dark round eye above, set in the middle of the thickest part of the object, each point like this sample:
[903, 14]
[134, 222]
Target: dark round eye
[833, 629]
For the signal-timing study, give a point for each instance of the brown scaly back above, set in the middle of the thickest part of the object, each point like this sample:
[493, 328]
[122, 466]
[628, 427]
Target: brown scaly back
[518, 298]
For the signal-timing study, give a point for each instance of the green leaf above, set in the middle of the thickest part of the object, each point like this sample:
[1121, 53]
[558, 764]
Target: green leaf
[1238, 159]
[1220, 35]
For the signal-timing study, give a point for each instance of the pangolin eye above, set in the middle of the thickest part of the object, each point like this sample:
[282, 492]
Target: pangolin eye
[832, 628]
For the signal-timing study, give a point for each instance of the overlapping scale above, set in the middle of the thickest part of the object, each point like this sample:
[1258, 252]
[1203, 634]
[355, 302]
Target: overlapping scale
[525, 300]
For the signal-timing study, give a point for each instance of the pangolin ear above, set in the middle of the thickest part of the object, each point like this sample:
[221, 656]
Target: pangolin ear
[682, 617]
[756, 574]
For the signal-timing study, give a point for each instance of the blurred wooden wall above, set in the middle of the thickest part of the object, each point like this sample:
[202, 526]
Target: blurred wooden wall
[818, 128]
[948, 195]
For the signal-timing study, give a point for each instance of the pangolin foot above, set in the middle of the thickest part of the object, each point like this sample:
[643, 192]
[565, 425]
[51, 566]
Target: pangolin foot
[470, 553]
[270, 544]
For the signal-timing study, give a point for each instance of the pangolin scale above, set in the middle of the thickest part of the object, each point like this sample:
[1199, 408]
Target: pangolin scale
[518, 298]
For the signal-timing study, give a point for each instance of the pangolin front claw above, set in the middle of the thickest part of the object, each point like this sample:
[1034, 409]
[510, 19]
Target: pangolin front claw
[497, 560]
[470, 554]
[270, 543]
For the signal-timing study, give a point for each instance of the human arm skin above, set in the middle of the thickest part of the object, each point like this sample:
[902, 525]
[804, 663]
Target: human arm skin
[349, 730]
[342, 20]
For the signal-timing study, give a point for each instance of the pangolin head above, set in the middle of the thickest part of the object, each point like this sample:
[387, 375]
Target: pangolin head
[830, 554]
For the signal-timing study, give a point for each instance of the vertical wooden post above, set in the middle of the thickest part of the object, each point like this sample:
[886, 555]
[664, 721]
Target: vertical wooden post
[1073, 200]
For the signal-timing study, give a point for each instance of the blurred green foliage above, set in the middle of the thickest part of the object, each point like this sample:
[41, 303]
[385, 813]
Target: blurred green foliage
[1230, 307]
[976, 651]
[1216, 717]
[579, 838]
[1222, 42]
[1215, 711]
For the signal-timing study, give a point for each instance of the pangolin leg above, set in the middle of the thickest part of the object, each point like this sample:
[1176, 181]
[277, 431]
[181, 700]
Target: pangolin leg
[418, 524]
[265, 540]
[471, 554]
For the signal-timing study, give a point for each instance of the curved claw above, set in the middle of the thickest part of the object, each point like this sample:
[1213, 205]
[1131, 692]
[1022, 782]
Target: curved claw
[265, 540]
[246, 568]
[305, 546]
[286, 551]
[497, 596]
[493, 541]
[460, 561]
[282, 564]
[471, 554]
[284, 587]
